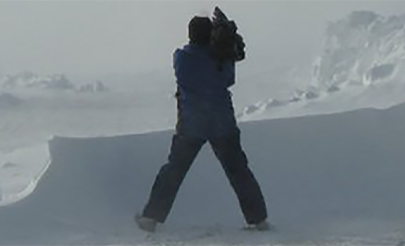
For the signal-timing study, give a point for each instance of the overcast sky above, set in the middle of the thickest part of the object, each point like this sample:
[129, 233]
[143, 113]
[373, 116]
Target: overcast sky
[101, 37]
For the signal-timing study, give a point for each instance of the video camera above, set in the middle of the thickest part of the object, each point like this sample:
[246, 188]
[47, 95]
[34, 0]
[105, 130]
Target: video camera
[226, 43]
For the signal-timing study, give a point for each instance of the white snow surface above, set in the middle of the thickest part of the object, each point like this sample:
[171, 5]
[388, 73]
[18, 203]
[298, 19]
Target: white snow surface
[333, 179]
[20, 171]
[329, 158]
[362, 65]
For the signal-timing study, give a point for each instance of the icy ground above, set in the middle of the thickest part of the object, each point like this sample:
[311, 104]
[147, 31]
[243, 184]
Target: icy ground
[329, 158]
[333, 179]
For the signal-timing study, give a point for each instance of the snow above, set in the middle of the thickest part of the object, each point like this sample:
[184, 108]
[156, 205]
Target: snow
[97, 86]
[31, 80]
[363, 53]
[20, 171]
[58, 82]
[326, 179]
[75, 167]
[9, 100]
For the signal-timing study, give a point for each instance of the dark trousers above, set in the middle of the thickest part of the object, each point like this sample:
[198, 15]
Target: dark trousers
[234, 162]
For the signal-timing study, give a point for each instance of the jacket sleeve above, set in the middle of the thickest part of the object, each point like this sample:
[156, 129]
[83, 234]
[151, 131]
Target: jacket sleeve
[184, 68]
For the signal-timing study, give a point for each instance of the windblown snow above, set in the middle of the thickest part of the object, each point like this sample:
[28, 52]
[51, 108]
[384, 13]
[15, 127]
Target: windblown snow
[362, 65]
[77, 161]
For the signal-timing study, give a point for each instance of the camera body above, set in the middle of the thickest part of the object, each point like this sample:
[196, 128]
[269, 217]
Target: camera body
[226, 43]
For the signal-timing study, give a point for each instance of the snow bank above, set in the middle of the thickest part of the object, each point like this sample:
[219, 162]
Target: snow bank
[31, 80]
[333, 179]
[8, 100]
[363, 54]
[93, 87]
[20, 171]
[362, 49]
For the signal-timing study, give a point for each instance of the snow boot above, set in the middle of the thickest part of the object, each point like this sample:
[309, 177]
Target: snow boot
[146, 224]
[261, 226]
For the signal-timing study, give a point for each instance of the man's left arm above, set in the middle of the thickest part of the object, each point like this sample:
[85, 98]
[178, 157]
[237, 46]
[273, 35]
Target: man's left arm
[231, 79]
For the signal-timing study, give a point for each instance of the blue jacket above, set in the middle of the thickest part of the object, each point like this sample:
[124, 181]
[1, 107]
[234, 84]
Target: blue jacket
[204, 102]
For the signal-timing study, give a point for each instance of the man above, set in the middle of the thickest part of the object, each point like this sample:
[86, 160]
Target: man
[205, 114]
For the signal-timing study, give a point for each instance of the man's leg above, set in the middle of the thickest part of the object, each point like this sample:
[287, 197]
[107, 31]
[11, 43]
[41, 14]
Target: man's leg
[234, 162]
[167, 183]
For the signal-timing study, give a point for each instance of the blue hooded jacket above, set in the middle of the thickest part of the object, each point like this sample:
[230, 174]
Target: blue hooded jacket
[204, 102]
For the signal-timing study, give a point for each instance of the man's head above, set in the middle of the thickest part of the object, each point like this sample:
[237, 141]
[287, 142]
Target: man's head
[199, 30]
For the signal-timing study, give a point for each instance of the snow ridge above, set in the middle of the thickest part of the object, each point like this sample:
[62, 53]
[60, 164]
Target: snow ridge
[321, 176]
[31, 80]
[8, 100]
[363, 54]
[362, 49]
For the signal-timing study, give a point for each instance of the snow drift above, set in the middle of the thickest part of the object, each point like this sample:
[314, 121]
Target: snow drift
[362, 49]
[32, 80]
[332, 178]
[20, 170]
[8, 100]
[56, 82]
[363, 55]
